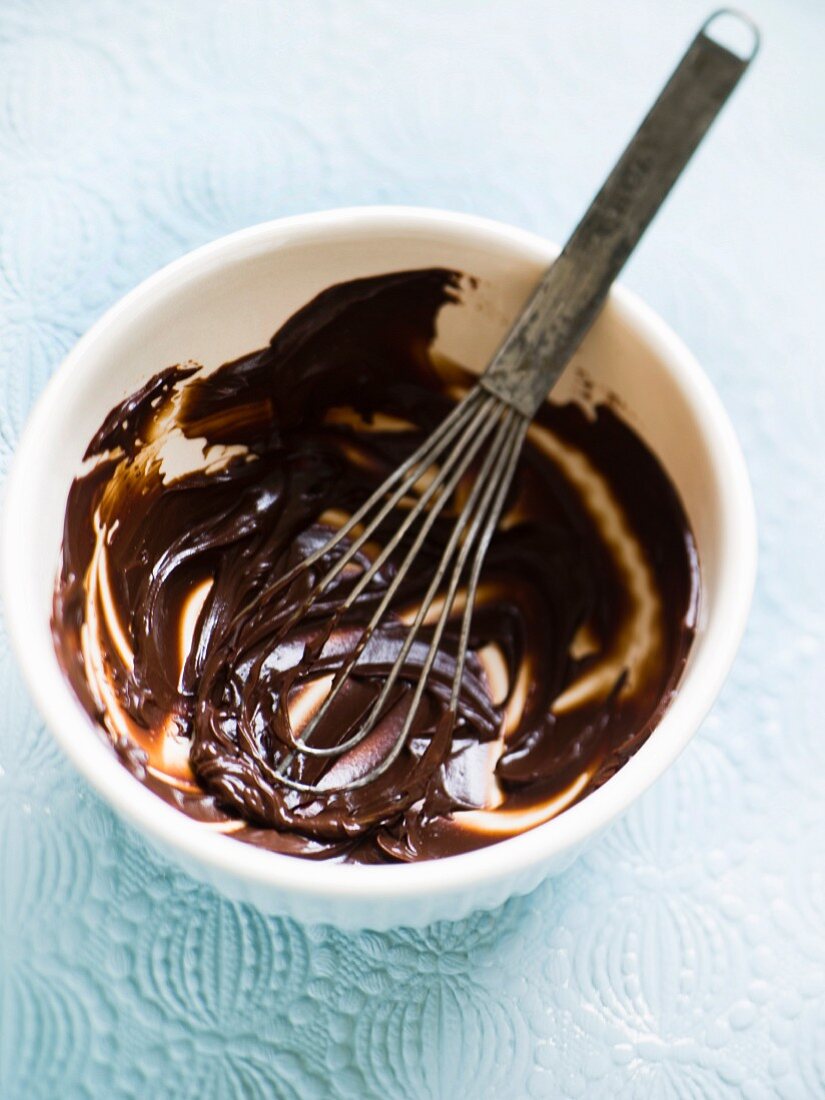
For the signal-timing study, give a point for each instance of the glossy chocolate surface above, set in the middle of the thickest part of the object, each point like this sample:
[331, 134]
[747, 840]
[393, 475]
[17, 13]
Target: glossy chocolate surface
[202, 488]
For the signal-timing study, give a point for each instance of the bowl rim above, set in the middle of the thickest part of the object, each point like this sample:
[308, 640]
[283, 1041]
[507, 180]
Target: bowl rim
[506, 859]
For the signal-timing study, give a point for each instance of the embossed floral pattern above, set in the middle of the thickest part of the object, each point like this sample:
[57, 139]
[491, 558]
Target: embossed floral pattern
[683, 956]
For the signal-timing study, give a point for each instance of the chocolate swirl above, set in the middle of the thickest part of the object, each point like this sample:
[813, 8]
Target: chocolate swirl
[202, 489]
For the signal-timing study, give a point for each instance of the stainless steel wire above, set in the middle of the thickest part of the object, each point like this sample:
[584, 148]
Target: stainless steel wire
[479, 419]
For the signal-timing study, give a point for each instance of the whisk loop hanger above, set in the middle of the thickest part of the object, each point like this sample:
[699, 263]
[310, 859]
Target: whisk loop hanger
[489, 424]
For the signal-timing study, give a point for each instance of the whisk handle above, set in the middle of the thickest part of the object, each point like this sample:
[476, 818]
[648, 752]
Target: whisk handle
[573, 290]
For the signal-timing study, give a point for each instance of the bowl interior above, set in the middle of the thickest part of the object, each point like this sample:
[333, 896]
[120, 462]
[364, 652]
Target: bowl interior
[230, 297]
[232, 304]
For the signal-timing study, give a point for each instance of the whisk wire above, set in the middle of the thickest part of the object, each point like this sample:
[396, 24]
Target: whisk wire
[419, 461]
[474, 528]
[473, 436]
[452, 471]
[427, 602]
[485, 519]
[502, 476]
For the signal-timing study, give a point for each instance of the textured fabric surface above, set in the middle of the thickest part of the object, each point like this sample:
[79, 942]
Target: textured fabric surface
[685, 955]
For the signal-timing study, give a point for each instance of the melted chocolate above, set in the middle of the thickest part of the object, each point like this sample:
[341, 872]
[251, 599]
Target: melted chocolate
[204, 488]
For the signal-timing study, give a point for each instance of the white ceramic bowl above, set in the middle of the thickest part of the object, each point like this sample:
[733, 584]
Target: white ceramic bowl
[228, 298]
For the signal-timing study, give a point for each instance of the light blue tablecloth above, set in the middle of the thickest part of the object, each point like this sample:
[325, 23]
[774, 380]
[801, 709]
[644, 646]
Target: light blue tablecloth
[685, 956]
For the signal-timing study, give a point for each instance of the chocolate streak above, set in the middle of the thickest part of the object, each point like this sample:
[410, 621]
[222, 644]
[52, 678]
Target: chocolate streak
[167, 628]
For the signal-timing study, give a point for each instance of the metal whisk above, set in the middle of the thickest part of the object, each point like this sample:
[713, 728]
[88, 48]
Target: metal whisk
[493, 418]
